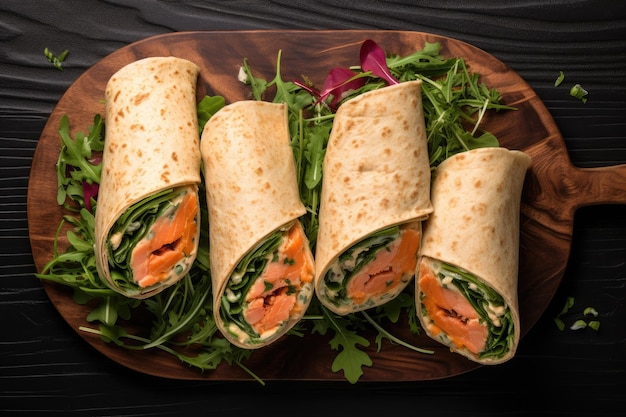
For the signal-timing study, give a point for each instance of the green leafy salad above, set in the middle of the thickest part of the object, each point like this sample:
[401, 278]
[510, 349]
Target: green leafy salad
[454, 103]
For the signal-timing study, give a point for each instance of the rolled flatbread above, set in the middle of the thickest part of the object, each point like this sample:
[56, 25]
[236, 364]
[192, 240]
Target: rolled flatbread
[466, 287]
[375, 194]
[147, 215]
[261, 263]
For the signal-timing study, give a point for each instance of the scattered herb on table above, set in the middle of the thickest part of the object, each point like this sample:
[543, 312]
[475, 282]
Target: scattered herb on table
[579, 92]
[576, 90]
[578, 323]
[57, 61]
[559, 79]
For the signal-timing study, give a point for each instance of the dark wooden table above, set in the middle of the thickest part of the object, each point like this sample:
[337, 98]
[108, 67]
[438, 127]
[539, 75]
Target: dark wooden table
[46, 368]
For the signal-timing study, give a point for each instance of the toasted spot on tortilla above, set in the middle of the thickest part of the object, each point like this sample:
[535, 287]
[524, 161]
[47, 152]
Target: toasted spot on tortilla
[480, 208]
[140, 98]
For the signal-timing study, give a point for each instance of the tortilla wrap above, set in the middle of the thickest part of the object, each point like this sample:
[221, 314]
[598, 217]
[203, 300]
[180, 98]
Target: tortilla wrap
[474, 234]
[376, 176]
[253, 202]
[151, 146]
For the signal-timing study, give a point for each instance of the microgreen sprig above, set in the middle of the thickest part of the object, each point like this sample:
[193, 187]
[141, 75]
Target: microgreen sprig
[57, 61]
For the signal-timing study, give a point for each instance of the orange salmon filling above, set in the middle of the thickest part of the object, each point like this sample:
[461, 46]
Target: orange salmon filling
[172, 238]
[273, 297]
[451, 313]
[387, 270]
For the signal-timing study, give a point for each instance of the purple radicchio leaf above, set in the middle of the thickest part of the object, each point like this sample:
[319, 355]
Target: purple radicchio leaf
[338, 83]
[373, 59]
[90, 191]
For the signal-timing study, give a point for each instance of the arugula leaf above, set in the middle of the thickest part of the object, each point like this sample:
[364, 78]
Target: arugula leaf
[258, 85]
[350, 359]
[207, 107]
[79, 160]
[382, 333]
[393, 309]
[109, 333]
[111, 308]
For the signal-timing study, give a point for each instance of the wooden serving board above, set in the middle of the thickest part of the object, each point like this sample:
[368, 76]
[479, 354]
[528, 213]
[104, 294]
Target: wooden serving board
[553, 191]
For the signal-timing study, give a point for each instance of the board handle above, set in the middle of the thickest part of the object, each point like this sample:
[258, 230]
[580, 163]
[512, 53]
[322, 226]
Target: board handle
[555, 188]
[602, 185]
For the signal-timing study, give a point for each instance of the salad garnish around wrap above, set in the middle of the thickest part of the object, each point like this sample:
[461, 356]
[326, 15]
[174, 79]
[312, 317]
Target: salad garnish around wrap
[147, 222]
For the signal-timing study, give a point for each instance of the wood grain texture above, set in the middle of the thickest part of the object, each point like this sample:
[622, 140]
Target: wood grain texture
[555, 189]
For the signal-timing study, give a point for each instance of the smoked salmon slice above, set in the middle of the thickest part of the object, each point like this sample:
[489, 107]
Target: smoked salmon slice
[272, 298]
[372, 271]
[170, 240]
[451, 313]
[388, 268]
